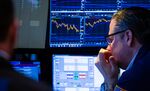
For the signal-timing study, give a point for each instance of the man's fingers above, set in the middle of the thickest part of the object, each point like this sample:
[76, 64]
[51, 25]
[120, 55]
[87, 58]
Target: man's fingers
[98, 59]
[105, 54]
[103, 57]
[112, 62]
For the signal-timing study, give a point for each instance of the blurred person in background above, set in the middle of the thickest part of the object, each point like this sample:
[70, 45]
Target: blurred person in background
[10, 80]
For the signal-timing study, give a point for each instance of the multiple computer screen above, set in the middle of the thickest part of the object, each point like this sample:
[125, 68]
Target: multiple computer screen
[81, 23]
[71, 23]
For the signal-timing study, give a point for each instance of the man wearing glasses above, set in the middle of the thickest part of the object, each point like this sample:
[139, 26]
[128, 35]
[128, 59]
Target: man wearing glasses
[128, 48]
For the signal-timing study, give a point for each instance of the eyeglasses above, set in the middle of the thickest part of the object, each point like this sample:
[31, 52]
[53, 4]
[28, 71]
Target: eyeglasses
[109, 40]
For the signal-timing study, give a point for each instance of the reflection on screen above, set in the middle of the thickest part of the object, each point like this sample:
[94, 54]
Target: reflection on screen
[29, 69]
[75, 73]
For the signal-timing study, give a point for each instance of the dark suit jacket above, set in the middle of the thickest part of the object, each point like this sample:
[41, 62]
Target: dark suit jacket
[10, 80]
[137, 78]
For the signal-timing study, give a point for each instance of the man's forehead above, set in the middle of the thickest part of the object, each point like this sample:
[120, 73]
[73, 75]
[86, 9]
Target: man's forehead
[113, 26]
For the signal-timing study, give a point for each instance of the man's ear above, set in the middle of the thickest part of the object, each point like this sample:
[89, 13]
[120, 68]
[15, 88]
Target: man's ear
[128, 37]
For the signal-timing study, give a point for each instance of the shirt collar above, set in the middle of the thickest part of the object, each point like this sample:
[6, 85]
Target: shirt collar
[132, 61]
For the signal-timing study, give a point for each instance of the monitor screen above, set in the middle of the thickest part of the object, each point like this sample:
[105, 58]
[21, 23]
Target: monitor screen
[29, 69]
[75, 73]
[84, 23]
[32, 16]
[80, 23]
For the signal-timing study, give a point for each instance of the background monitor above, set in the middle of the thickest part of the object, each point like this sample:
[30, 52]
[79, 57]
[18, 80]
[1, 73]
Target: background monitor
[84, 23]
[75, 73]
[32, 15]
[79, 23]
[29, 69]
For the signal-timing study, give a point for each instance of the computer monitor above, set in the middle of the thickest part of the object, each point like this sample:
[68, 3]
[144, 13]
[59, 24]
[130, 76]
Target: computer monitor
[80, 23]
[33, 17]
[75, 73]
[29, 69]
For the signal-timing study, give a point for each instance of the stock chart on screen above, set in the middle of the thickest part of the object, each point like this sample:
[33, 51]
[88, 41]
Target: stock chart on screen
[65, 30]
[84, 23]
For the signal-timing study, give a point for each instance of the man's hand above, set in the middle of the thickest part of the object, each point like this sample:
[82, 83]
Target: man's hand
[108, 67]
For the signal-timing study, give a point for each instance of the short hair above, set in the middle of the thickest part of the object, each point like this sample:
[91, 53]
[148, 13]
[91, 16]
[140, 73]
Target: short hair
[136, 19]
[6, 17]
